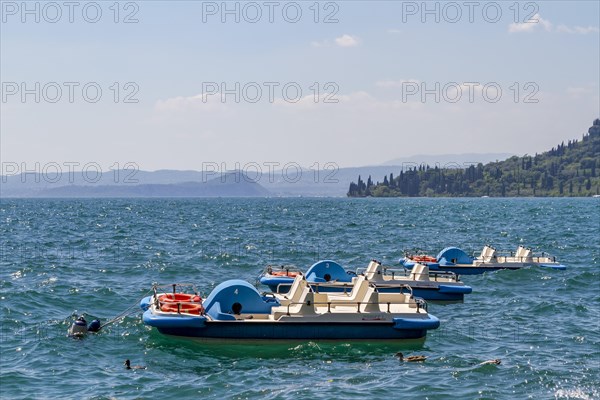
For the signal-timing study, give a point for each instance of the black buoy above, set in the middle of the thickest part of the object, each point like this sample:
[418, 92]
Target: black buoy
[94, 326]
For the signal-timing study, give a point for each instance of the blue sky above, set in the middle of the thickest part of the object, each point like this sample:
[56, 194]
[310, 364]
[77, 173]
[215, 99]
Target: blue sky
[369, 62]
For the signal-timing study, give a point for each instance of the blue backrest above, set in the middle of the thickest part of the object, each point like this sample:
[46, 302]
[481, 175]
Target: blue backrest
[228, 293]
[454, 255]
[327, 270]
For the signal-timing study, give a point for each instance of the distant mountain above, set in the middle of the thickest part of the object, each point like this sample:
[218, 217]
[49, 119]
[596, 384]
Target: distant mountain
[332, 182]
[228, 185]
[449, 160]
[329, 182]
[565, 170]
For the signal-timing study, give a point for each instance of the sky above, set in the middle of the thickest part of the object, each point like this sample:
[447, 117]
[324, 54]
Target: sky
[186, 84]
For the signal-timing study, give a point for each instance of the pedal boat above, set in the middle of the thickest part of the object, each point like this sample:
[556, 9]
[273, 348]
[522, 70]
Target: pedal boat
[329, 276]
[236, 310]
[278, 279]
[453, 259]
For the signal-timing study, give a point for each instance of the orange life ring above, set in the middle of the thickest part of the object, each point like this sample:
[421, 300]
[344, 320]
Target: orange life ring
[291, 274]
[179, 298]
[187, 308]
[424, 259]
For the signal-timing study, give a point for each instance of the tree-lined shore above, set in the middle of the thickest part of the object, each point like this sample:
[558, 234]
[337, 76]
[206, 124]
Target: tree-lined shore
[569, 169]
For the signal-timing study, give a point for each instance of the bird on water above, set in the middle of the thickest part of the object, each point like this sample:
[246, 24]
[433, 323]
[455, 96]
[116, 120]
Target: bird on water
[128, 365]
[410, 358]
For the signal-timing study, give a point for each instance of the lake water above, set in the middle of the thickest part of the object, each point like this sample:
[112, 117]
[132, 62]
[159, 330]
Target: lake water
[59, 258]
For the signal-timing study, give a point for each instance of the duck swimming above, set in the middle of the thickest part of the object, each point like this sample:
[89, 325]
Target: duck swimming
[411, 358]
[128, 365]
[496, 361]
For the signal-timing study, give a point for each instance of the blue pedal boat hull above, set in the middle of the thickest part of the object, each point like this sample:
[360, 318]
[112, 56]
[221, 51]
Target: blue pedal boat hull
[470, 269]
[398, 328]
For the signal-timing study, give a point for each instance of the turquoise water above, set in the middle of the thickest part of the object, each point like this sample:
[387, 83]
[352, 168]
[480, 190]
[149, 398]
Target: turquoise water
[63, 257]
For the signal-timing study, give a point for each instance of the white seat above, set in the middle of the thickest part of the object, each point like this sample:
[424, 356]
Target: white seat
[371, 302]
[524, 254]
[419, 272]
[297, 290]
[488, 254]
[374, 271]
[304, 306]
[396, 298]
[358, 293]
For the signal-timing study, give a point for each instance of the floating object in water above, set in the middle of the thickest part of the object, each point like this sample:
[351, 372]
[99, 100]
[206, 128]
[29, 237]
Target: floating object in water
[236, 310]
[329, 276]
[455, 260]
[410, 358]
[79, 327]
[497, 361]
[94, 326]
[127, 364]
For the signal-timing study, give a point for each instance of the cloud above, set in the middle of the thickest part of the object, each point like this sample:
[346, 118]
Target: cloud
[530, 25]
[346, 41]
[395, 84]
[537, 20]
[577, 29]
[343, 41]
[305, 102]
[322, 43]
[200, 102]
[465, 91]
[354, 103]
[544, 22]
[587, 91]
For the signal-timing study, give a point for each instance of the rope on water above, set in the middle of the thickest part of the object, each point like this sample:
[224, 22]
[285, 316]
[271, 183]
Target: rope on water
[130, 310]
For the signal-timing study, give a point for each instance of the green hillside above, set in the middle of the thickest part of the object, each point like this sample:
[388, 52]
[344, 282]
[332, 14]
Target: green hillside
[571, 169]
